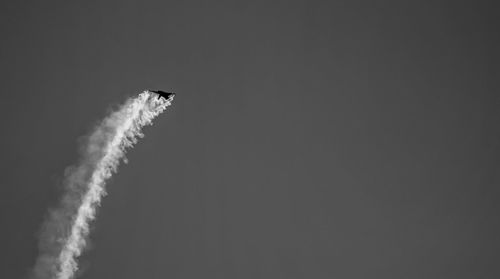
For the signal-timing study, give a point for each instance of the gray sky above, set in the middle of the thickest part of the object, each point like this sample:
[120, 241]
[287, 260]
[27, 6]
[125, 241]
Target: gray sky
[308, 140]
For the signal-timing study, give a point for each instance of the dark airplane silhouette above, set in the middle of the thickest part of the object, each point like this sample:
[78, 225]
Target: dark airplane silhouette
[166, 95]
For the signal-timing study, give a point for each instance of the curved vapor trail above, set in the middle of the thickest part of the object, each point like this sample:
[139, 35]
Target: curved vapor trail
[64, 233]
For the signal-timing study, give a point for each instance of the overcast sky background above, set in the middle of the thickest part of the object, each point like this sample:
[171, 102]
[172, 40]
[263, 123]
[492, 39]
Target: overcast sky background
[308, 140]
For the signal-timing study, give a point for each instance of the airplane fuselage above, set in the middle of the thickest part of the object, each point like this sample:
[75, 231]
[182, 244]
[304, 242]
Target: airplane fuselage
[166, 95]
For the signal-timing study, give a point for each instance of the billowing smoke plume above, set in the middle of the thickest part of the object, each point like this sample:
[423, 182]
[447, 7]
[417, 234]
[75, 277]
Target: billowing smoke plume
[64, 233]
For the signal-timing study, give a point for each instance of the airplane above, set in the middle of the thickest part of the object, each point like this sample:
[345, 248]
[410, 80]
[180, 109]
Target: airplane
[166, 95]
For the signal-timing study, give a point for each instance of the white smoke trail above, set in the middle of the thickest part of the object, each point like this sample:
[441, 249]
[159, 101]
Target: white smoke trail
[64, 233]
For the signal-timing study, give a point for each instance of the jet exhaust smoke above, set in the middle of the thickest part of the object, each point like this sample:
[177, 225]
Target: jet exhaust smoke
[65, 231]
